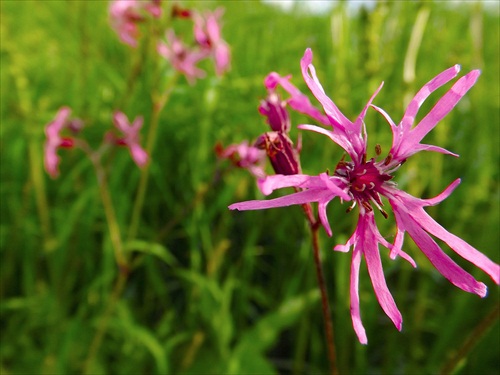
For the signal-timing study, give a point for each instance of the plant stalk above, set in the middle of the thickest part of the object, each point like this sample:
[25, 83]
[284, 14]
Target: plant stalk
[314, 225]
[471, 341]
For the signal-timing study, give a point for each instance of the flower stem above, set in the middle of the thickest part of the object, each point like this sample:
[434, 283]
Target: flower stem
[113, 227]
[158, 105]
[103, 324]
[471, 341]
[121, 260]
[314, 226]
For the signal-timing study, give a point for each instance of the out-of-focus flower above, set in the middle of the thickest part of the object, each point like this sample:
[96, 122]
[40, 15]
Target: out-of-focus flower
[54, 140]
[130, 137]
[182, 57]
[365, 181]
[125, 15]
[207, 32]
[178, 12]
[243, 155]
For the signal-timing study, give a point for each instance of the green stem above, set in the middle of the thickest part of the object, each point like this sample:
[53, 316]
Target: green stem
[114, 229]
[471, 341]
[158, 105]
[103, 324]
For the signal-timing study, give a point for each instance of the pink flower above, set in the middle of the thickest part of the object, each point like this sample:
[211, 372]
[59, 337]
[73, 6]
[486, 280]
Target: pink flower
[131, 137]
[182, 57]
[297, 101]
[244, 156]
[54, 141]
[208, 36]
[365, 181]
[125, 15]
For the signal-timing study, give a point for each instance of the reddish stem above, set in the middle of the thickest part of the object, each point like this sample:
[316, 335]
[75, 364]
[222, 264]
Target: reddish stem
[314, 226]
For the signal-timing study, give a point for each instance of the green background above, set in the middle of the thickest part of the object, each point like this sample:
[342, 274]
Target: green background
[216, 291]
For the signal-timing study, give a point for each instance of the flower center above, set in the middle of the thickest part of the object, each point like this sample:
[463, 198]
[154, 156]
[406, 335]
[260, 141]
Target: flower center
[365, 180]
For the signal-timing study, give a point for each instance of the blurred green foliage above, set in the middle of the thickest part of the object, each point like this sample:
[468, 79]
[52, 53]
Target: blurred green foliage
[214, 291]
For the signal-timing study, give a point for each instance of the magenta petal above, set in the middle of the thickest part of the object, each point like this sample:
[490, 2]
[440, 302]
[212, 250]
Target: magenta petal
[423, 147]
[385, 114]
[441, 196]
[443, 263]
[313, 83]
[444, 105]
[139, 156]
[296, 198]
[323, 217]
[271, 183]
[369, 244]
[382, 292]
[341, 141]
[438, 81]
[461, 247]
[354, 292]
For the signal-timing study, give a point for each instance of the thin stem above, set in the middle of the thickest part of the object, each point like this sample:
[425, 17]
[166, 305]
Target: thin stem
[314, 226]
[113, 227]
[471, 341]
[103, 324]
[158, 105]
[121, 260]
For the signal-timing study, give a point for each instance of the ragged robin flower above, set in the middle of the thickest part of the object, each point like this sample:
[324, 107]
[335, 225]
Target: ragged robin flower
[207, 33]
[244, 156]
[364, 181]
[129, 137]
[126, 15]
[54, 140]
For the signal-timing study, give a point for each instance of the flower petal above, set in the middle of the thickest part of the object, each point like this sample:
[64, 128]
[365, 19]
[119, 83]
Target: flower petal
[307, 196]
[443, 263]
[444, 105]
[369, 245]
[339, 120]
[431, 86]
[354, 292]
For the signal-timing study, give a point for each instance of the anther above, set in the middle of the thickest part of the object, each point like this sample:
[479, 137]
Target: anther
[378, 149]
[388, 159]
[367, 206]
[360, 189]
[349, 209]
[372, 185]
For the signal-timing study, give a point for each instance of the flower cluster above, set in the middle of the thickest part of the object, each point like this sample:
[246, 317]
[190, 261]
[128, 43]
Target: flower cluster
[54, 139]
[364, 181]
[127, 15]
[128, 137]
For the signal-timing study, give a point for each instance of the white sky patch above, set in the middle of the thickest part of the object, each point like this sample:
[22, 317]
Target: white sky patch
[317, 6]
[325, 6]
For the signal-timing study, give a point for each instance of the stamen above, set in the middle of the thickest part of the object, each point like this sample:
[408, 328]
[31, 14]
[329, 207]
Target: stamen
[360, 189]
[364, 158]
[367, 206]
[372, 185]
[362, 173]
[378, 149]
[380, 209]
[388, 159]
